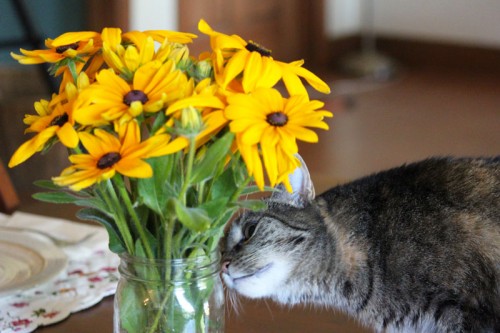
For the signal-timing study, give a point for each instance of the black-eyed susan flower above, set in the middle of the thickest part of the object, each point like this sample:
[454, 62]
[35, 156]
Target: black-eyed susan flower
[266, 121]
[233, 56]
[111, 98]
[75, 47]
[53, 118]
[107, 155]
[68, 45]
[51, 121]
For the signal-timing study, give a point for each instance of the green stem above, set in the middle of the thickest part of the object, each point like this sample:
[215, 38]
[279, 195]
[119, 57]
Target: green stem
[137, 224]
[160, 311]
[189, 168]
[169, 231]
[109, 195]
[237, 192]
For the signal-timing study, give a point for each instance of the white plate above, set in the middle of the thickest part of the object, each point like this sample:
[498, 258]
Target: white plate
[27, 260]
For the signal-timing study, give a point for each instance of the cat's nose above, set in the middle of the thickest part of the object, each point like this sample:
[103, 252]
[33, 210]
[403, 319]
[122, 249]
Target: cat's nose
[225, 266]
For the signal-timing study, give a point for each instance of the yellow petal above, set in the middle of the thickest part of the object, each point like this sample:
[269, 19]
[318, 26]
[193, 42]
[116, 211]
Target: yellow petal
[30, 147]
[196, 101]
[293, 84]
[271, 98]
[253, 71]
[68, 136]
[147, 51]
[235, 66]
[131, 58]
[83, 160]
[170, 148]
[312, 79]
[271, 73]
[205, 28]
[131, 135]
[112, 37]
[268, 145]
[73, 37]
[302, 133]
[253, 134]
[106, 77]
[134, 168]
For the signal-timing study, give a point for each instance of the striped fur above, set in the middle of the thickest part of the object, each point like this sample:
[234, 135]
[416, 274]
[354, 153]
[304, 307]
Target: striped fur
[411, 249]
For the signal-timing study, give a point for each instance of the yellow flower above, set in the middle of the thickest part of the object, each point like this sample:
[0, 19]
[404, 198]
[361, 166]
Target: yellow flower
[234, 56]
[126, 59]
[111, 98]
[68, 45]
[268, 124]
[107, 155]
[125, 53]
[54, 118]
[206, 99]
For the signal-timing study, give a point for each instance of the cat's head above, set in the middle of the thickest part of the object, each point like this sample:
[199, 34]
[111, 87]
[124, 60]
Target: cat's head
[264, 249]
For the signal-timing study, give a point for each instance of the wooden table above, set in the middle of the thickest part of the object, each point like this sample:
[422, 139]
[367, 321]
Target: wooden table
[254, 317]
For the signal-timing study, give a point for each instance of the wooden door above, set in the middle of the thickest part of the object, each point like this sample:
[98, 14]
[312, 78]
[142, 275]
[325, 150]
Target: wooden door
[289, 28]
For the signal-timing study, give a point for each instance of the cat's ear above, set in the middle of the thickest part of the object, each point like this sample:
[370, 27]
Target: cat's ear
[302, 187]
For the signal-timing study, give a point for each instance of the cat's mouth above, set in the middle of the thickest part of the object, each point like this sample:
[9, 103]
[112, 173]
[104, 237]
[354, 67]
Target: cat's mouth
[256, 274]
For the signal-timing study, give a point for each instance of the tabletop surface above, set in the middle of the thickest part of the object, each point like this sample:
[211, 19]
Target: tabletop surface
[253, 317]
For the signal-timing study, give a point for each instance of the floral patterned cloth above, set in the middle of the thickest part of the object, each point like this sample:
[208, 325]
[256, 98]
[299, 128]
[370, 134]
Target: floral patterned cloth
[91, 274]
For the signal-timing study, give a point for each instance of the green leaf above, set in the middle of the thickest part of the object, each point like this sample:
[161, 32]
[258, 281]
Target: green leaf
[216, 207]
[224, 185]
[92, 202]
[133, 316]
[47, 184]
[155, 191]
[254, 205]
[56, 197]
[195, 219]
[255, 189]
[160, 120]
[214, 156]
[116, 245]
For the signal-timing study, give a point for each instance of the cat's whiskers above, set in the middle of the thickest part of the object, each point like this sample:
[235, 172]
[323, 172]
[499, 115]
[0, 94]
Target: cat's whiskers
[234, 301]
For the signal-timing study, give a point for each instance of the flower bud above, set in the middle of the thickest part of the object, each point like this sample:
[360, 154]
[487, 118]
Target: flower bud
[203, 69]
[179, 54]
[191, 121]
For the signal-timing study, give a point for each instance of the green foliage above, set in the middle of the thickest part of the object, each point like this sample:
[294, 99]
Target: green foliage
[213, 159]
[182, 209]
[91, 214]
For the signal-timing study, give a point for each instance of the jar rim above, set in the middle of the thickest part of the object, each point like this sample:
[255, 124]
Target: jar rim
[212, 256]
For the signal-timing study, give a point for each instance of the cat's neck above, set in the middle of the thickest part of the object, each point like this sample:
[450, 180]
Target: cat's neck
[330, 269]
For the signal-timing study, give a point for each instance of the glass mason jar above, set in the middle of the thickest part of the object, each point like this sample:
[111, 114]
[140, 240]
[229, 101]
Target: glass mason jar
[180, 295]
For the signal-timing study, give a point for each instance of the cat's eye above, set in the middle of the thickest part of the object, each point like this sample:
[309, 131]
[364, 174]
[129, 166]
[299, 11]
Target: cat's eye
[249, 230]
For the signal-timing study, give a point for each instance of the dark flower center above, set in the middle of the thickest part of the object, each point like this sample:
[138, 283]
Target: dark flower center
[135, 95]
[251, 46]
[108, 160]
[59, 120]
[277, 119]
[63, 48]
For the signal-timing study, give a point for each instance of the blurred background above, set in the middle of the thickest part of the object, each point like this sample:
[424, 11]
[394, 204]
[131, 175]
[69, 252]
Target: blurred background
[409, 79]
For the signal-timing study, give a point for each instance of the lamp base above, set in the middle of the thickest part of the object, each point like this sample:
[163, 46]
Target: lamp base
[369, 64]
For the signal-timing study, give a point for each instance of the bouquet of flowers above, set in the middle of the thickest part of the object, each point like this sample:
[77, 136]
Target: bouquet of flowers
[163, 145]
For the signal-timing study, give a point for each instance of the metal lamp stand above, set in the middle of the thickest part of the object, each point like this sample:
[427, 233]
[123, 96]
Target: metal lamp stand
[369, 63]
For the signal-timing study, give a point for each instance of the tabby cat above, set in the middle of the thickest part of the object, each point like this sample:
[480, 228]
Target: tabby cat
[411, 249]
